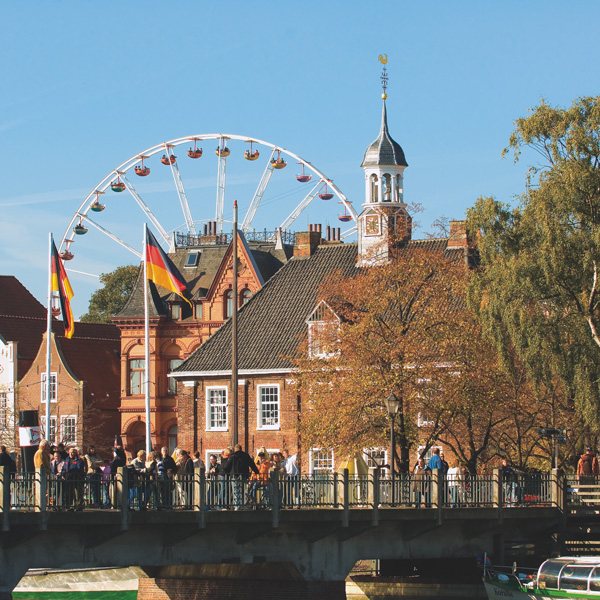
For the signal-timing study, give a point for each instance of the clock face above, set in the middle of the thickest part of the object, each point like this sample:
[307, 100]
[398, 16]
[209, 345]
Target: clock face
[372, 225]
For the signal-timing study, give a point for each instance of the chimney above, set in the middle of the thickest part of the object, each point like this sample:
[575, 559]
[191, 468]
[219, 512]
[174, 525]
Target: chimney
[307, 241]
[458, 235]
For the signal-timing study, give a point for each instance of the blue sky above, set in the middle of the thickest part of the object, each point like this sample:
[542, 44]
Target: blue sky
[87, 85]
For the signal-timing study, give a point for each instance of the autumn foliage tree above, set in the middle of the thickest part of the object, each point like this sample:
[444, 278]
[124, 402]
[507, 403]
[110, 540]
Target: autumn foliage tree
[384, 331]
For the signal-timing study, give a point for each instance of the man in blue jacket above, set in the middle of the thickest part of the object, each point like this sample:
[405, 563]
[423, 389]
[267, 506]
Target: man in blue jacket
[435, 462]
[74, 471]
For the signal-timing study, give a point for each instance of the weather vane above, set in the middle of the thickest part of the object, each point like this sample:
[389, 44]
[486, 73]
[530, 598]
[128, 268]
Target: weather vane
[384, 78]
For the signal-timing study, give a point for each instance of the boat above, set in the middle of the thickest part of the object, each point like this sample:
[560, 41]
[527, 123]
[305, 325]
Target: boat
[569, 577]
[93, 584]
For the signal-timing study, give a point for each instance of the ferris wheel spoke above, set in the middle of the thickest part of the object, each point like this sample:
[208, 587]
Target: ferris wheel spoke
[113, 236]
[260, 191]
[145, 208]
[221, 192]
[183, 198]
[349, 232]
[303, 204]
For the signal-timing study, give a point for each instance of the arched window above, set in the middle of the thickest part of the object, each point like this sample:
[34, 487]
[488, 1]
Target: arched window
[246, 295]
[374, 191]
[228, 304]
[387, 187]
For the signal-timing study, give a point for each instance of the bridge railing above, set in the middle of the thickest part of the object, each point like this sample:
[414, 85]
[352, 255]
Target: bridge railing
[129, 490]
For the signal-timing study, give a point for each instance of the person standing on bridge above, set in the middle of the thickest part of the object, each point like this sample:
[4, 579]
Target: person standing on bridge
[587, 467]
[239, 465]
[42, 457]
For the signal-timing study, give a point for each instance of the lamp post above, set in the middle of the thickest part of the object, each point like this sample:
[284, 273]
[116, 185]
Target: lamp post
[393, 404]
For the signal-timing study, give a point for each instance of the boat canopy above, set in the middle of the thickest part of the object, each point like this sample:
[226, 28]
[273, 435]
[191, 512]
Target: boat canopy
[570, 573]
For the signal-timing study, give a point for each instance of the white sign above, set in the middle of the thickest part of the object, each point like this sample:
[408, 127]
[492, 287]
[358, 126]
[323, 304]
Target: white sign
[29, 436]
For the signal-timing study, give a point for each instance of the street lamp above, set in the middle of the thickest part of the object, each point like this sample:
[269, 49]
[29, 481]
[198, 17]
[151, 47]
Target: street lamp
[393, 405]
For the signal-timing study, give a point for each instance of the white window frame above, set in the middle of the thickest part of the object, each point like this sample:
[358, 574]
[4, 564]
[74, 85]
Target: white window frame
[368, 456]
[53, 387]
[70, 441]
[429, 453]
[207, 454]
[422, 421]
[317, 326]
[51, 438]
[312, 459]
[260, 420]
[209, 407]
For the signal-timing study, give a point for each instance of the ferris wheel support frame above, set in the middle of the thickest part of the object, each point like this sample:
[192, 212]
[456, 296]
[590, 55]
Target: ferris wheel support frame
[185, 207]
[258, 194]
[221, 176]
[112, 236]
[145, 208]
[303, 204]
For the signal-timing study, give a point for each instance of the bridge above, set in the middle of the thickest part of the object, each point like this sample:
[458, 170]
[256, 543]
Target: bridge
[312, 528]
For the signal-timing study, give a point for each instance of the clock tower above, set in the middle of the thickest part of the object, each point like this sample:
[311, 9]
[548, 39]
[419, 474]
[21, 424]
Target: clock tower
[384, 220]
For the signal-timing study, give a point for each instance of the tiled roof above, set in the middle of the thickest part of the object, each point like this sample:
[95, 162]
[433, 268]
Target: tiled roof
[272, 324]
[384, 151]
[17, 300]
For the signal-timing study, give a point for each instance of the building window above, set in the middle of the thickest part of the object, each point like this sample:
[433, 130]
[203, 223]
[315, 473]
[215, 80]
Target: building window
[49, 435]
[216, 409]
[375, 457]
[175, 312]
[198, 311]
[4, 416]
[172, 439]
[52, 387]
[172, 382]
[137, 376]
[246, 295]
[268, 407]
[68, 427]
[228, 304]
[192, 259]
[323, 327]
[321, 460]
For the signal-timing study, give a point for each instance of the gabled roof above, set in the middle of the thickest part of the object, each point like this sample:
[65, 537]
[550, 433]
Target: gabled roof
[272, 324]
[384, 151]
[265, 258]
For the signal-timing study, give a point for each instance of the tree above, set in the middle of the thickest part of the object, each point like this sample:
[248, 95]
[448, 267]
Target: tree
[386, 330]
[537, 291]
[111, 298]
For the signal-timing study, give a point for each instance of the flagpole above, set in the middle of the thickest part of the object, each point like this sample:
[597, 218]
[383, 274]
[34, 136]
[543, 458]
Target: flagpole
[234, 366]
[146, 344]
[48, 338]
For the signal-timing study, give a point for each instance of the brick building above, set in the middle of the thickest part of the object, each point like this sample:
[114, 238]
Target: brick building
[177, 330]
[279, 317]
[84, 386]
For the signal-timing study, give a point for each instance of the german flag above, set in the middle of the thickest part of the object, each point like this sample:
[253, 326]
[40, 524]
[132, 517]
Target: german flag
[61, 284]
[161, 270]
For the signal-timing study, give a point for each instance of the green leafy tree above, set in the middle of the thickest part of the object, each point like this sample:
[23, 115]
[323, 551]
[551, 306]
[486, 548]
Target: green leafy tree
[537, 291]
[111, 298]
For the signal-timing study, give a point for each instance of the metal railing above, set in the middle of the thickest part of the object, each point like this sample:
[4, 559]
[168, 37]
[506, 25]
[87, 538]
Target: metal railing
[130, 490]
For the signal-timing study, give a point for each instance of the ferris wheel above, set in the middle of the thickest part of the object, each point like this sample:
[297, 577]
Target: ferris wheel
[309, 182]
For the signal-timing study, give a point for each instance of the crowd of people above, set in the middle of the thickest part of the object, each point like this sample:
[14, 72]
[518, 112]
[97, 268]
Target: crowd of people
[161, 479]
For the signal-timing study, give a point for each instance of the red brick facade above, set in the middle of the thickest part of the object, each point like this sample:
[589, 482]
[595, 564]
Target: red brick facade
[195, 430]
